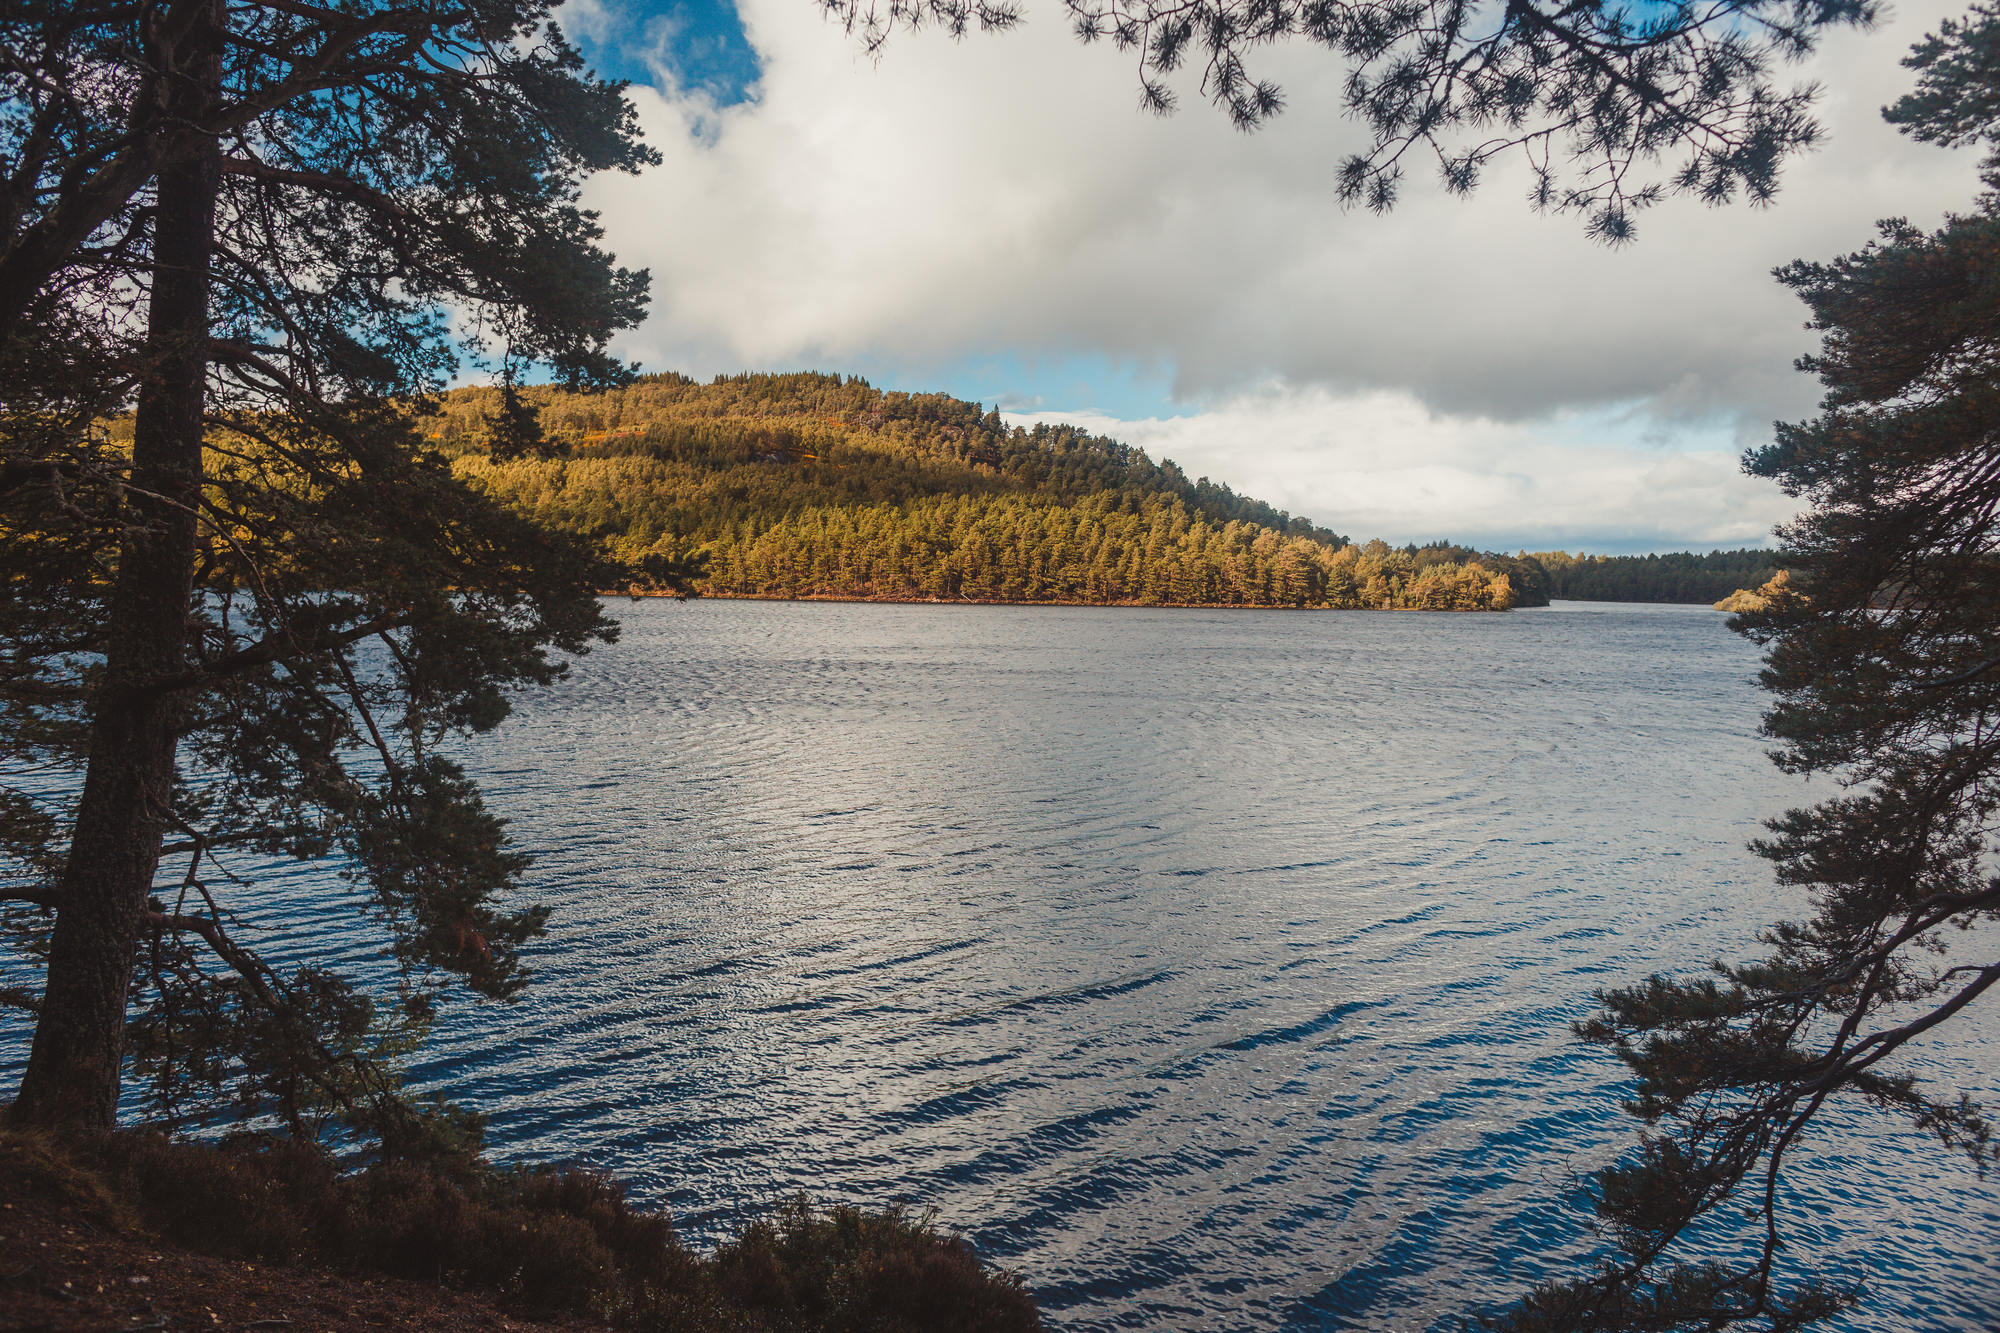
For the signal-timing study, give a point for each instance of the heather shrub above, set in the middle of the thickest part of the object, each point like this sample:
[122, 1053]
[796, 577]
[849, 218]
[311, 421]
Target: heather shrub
[545, 1262]
[643, 1244]
[247, 1199]
[847, 1271]
[547, 1241]
[406, 1220]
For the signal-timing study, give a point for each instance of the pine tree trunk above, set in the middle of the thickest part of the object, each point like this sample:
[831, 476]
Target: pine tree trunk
[73, 1069]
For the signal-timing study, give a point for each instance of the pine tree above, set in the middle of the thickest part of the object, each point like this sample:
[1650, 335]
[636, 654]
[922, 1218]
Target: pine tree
[251, 621]
[1884, 660]
[1613, 107]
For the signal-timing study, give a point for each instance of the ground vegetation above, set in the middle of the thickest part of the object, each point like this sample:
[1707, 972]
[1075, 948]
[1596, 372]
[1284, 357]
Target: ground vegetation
[133, 1228]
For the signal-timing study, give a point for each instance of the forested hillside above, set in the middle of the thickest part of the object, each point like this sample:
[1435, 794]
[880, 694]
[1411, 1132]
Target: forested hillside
[1680, 577]
[810, 485]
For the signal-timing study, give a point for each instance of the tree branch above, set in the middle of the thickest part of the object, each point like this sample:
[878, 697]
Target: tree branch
[280, 647]
[39, 897]
[314, 180]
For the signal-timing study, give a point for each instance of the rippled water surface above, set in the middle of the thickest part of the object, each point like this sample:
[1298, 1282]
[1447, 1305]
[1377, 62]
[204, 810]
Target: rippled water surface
[1211, 968]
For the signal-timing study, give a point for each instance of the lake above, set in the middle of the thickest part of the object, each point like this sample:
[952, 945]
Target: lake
[1211, 968]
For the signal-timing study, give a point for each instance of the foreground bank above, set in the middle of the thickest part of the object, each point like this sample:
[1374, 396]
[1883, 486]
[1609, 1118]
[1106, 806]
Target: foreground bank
[137, 1231]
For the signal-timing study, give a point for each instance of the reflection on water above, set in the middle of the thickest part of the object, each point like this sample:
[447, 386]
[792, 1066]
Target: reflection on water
[1213, 968]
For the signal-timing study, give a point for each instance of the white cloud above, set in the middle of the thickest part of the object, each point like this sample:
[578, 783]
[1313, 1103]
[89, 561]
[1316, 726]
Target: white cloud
[1003, 195]
[1382, 465]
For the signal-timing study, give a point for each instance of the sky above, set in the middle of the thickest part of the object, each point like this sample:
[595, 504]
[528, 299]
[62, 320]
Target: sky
[997, 219]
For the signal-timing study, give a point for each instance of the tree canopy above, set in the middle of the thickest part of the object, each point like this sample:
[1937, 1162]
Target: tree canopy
[1613, 106]
[249, 622]
[1883, 649]
[811, 485]
[1680, 576]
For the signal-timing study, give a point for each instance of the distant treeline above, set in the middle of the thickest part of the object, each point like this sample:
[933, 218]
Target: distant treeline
[810, 485]
[1681, 577]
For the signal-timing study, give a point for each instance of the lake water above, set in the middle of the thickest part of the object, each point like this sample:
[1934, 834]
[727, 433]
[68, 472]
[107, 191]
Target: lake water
[1211, 968]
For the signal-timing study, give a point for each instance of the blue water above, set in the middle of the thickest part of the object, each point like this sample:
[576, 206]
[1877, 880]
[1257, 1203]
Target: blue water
[1211, 968]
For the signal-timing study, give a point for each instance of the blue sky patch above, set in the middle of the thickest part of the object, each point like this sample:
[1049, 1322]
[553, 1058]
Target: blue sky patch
[698, 44]
[1015, 384]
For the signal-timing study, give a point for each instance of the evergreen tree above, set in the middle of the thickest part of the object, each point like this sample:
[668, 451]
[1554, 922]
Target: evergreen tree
[1681, 576]
[1885, 663]
[1612, 106]
[890, 501]
[247, 614]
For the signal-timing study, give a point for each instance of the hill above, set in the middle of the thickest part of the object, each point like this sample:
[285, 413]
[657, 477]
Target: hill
[822, 486]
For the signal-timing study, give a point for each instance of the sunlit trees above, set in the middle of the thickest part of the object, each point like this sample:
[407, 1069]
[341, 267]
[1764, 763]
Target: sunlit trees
[1885, 666]
[915, 497]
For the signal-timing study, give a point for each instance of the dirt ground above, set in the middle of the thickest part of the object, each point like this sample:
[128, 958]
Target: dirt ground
[60, 1273]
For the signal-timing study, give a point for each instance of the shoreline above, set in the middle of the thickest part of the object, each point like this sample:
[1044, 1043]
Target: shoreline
[647, 595]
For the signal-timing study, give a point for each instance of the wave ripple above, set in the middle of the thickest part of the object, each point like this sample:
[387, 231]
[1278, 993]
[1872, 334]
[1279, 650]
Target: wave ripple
[1213, 968]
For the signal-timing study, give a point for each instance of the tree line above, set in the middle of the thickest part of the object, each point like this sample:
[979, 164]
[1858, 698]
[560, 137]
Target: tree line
[809, 485]
[821, 485]
[1682, 576]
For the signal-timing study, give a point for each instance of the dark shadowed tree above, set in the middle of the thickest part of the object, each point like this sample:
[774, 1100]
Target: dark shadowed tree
[246, 603]
[1885, 663]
